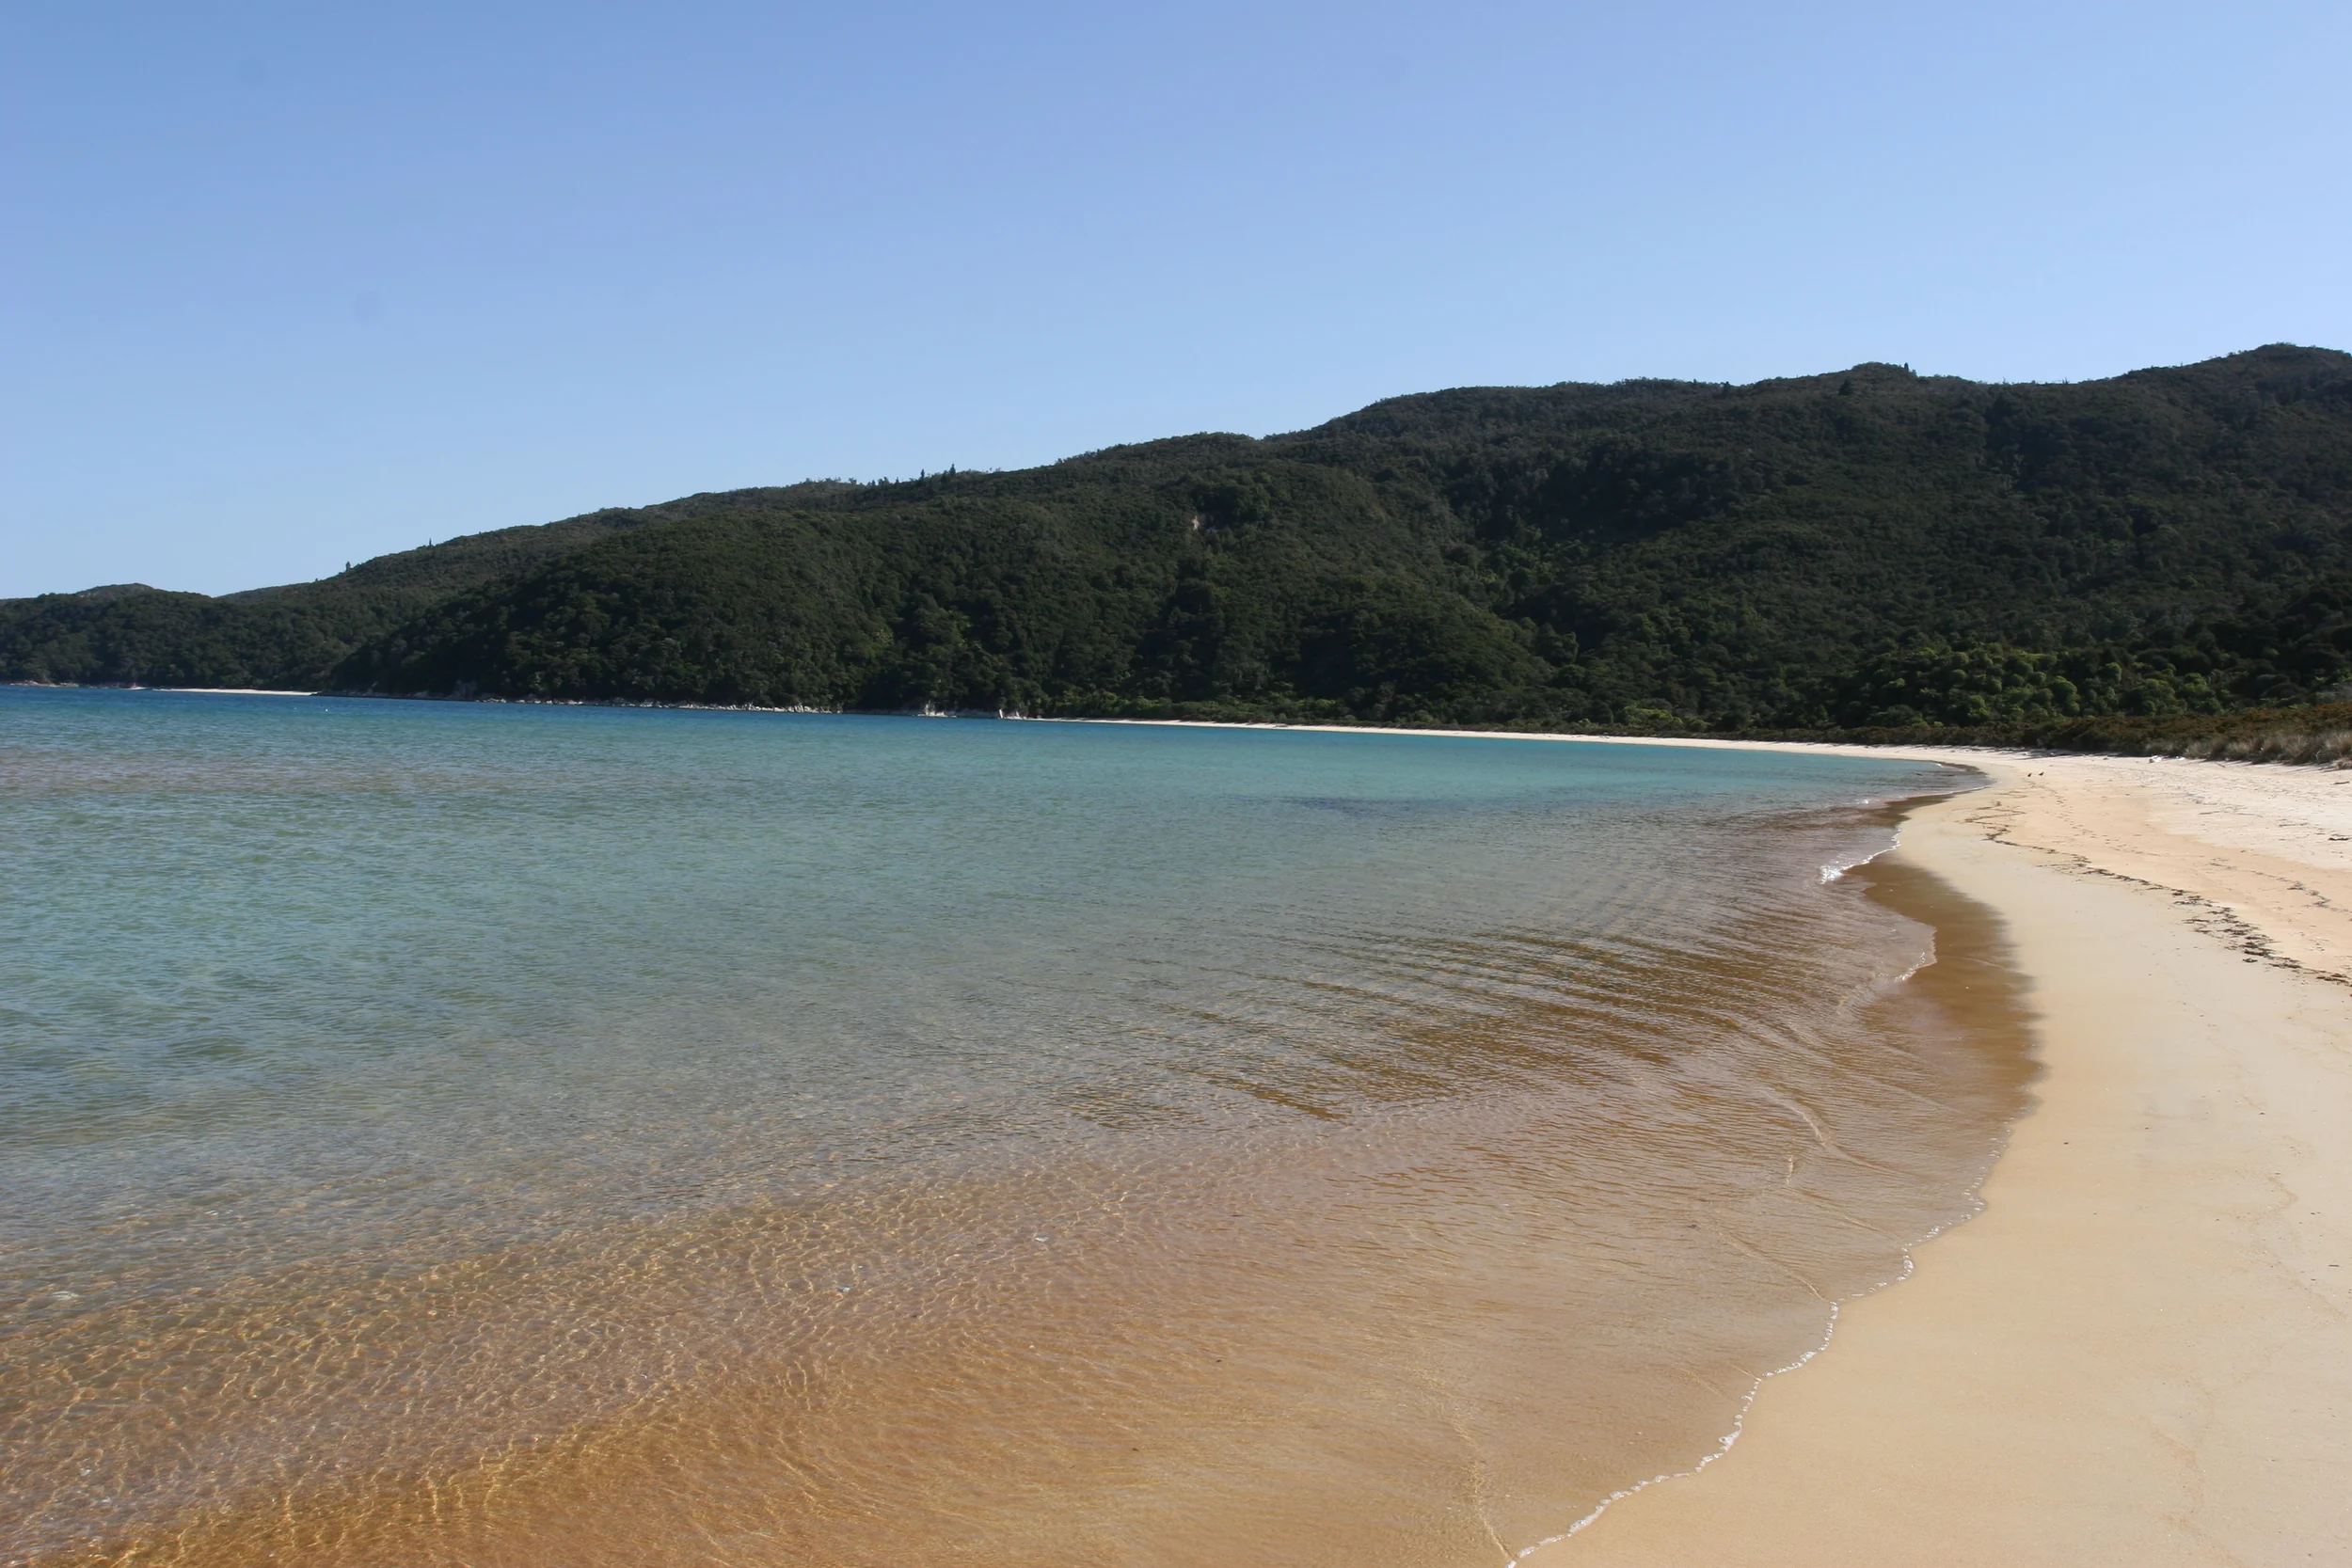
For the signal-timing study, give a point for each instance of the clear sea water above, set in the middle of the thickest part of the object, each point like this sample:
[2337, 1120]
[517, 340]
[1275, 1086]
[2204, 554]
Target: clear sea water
[466, 1133]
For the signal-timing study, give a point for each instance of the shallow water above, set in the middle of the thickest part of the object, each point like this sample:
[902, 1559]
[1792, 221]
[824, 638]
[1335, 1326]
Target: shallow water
[446, 1133]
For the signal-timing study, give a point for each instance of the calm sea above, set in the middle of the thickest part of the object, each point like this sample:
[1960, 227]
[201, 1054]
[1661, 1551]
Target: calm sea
[442, 1133]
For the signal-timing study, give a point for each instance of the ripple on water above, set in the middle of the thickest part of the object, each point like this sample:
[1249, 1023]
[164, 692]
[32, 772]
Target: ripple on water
[507, 1137]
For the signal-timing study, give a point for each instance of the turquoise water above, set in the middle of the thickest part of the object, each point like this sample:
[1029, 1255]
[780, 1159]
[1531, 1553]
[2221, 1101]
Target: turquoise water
[512, 1107]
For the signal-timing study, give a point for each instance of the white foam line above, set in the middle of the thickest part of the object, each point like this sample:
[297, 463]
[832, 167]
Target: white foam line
[1830, 872]
[1723, 1447]
[225, 690]
[1739, 1422]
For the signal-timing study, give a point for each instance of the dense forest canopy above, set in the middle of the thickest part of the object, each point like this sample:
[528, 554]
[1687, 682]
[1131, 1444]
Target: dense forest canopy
[1865, 549]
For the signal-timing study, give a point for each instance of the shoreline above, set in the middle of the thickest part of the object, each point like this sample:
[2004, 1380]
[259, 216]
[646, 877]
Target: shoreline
[1941, 908]
[2137, 1348]
[2139, 1351]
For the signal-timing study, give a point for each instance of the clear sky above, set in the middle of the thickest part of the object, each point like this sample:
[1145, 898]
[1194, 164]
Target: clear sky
[288, 286]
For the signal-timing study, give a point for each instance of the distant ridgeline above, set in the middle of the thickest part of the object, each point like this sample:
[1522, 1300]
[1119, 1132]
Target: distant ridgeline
[1869, 549]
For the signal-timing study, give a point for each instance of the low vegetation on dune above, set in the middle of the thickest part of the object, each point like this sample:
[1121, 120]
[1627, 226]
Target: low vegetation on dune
[1866, 551]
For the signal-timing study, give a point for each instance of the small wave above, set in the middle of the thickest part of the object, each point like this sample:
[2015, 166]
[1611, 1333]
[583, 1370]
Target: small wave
[1739, 1420]
[1723, 1444]
[1830, 872]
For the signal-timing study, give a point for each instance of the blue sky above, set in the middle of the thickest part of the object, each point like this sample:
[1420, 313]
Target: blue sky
[285, 287]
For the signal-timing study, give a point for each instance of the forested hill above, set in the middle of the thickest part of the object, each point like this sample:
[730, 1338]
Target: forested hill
[1864, 548]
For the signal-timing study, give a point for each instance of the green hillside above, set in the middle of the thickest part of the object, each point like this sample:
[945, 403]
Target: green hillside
[287, 637]
[1864, 548]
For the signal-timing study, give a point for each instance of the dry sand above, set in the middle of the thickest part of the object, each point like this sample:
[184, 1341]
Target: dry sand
[2140, 1352]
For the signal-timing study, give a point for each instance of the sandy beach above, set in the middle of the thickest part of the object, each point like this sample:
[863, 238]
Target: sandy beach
[2140, 1352]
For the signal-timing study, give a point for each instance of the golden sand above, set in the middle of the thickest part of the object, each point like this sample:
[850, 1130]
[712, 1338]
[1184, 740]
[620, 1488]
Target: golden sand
[2140, 1354]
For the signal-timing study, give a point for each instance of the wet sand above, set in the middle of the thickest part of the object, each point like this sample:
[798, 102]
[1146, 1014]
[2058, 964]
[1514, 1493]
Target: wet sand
[2140, 1352]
